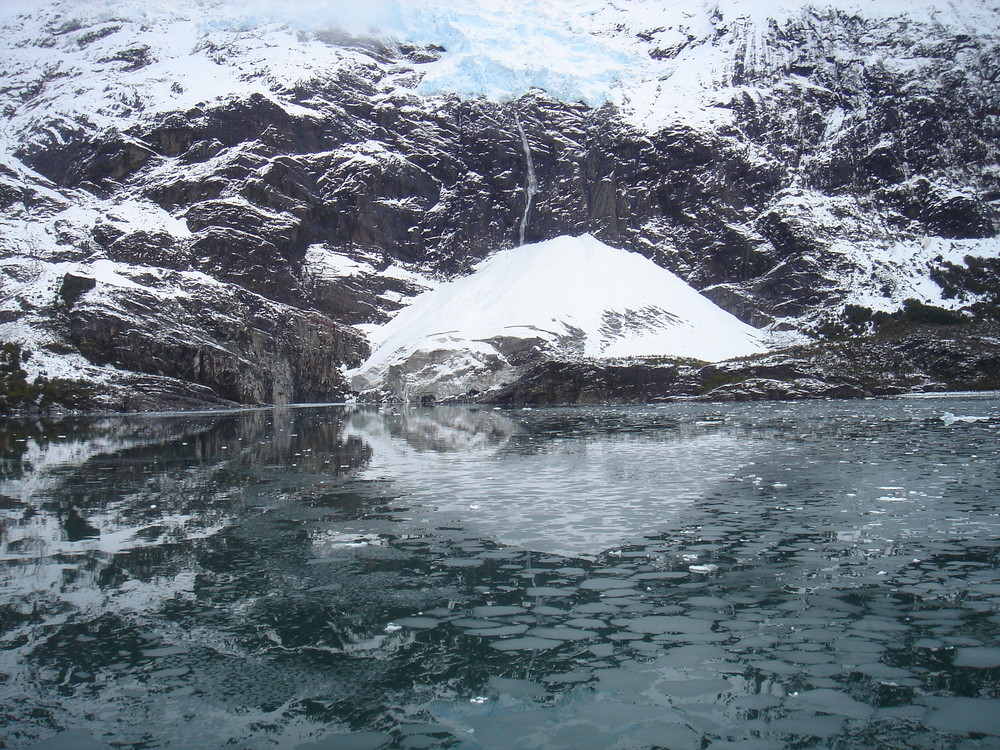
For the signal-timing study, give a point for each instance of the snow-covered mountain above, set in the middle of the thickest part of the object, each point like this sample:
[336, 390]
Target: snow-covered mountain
[205, 201]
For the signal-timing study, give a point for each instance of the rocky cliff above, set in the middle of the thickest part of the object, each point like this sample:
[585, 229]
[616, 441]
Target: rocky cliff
[201, 207]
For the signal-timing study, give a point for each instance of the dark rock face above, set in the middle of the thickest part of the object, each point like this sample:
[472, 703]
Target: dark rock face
[443, 185]
[959, 217]
[109, 157]
[238, 346]
[579, 383]
[926, 358]
[73, 286]
[923, 358]
[445, 188]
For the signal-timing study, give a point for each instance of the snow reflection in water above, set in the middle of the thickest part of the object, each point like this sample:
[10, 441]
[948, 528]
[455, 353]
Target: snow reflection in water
[568, 489]
[815, 575]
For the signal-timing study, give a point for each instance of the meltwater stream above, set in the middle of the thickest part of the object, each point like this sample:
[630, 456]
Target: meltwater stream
[682, 576]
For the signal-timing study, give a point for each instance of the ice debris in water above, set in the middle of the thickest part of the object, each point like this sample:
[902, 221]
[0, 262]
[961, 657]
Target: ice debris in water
[710, 568]
[949, 419]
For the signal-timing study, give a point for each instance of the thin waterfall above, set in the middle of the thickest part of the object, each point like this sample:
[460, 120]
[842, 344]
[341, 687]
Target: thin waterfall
[531, 186]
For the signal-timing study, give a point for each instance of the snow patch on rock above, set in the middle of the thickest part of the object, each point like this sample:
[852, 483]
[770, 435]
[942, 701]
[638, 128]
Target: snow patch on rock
[886, 276]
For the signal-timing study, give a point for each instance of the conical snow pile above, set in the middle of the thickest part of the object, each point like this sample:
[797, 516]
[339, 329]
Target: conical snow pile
[568, 297]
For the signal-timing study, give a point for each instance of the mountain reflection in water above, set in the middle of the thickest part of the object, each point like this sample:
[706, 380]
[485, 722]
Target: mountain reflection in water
[816, 575]
[570, 484]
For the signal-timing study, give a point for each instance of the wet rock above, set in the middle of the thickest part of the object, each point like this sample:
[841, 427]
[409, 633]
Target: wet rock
[591, 383]
[919, 358]
[235, 344]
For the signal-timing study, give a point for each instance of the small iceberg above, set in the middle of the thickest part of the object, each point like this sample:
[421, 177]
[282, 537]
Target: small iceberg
[949, 419]
[709, 568]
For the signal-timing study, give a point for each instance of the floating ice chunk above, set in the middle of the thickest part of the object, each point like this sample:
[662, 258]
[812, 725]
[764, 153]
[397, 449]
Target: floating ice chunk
[472, 622]
[562, 633]
[985, 657]
[606, 584]
[949, 419]
[501, 631]
[332, 540]
[528, 643]
[498, 632]
[963, 715]
[550, 591]
[709, 568]
[417, 623]
[655, 624]
[833, 702]
[585, 622]
[496, 611]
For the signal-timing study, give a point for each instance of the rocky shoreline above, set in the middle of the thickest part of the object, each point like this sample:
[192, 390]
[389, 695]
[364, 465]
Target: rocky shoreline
[922, 359]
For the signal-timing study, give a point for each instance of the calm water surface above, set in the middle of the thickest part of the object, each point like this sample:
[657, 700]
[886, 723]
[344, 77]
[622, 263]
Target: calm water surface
[682, 576]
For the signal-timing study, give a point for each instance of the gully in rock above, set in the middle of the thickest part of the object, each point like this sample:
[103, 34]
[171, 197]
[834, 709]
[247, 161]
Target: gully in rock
[531, 182]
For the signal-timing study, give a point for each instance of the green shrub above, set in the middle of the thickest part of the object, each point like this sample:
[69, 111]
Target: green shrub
[717, 378]
[915, 311]
[858, 320]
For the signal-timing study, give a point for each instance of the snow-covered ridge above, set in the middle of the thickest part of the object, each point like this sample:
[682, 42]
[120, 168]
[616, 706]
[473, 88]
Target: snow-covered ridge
[95, 64]
[569, 296]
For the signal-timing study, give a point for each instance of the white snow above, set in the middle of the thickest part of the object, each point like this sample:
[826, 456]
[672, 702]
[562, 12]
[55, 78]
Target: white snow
[325, 263]
[576, 50]
[570, 296]
[883, 277]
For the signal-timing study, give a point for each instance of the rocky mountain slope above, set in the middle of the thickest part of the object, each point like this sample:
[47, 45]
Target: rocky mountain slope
[201, 202]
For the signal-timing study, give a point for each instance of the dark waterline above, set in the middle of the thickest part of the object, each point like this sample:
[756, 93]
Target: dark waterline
[818, 574]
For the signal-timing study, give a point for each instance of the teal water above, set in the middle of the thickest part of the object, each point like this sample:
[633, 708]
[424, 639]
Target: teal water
[818, 574]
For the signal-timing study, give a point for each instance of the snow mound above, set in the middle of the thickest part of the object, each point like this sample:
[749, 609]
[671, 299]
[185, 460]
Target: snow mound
[565, 297]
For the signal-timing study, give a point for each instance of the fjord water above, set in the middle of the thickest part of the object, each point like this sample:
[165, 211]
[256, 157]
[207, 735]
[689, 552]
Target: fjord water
[817, 574]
